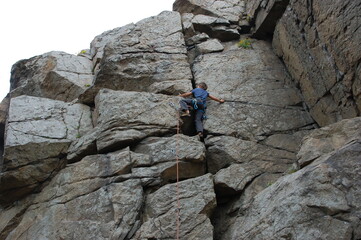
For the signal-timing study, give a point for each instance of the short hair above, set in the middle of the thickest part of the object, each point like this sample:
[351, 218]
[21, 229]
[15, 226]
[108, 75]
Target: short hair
[202, 85]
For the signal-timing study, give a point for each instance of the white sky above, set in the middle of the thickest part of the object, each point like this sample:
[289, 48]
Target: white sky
[32, 27]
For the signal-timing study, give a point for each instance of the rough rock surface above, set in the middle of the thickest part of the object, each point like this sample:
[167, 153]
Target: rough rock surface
[265, 15]
[54, 75]
[317, 202]
[163, 154]
[150, 54]
[39, 132]
[105, 209]
[215, 27]
[209, 46]
[123, 118]
[4, 105]
[327, 139]
[318, 41]
[109, 170]
[223, 151]
[228, 9]
[260, 97]
[197, 201]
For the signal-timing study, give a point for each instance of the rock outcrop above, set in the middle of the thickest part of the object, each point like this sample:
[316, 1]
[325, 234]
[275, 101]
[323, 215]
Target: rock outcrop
[318, 41]
[319, 201]
[265, 15]
[260, 98]
[4, 106]
[54, 75]
[38, 134]
[197, 200]
[227, 9]
[94, 147]
[147, 56]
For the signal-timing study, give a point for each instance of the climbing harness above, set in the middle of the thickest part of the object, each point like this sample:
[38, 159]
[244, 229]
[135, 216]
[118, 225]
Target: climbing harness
[195, 106]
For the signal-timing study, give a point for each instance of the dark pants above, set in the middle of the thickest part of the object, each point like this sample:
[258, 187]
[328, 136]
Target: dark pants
[199, 112]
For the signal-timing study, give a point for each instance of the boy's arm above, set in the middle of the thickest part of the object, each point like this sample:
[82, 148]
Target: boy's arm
[187, 94]
[216, 99]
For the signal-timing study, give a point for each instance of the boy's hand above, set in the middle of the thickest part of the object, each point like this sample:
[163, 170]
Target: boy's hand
[221, 100]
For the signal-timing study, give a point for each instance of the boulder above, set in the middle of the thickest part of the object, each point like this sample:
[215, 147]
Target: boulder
[327, 139]
[54, 75]
[265, 15]
[260, 96]
[231, 10]
[204, 47]
[196, 203]
[319, 44]
[124, 118]
[223, 151]
[196, 39]
[318, 201]
[38, 134]
[244, 168]
[232, 180]
[148, 55]
[84, 202]
[163, 154]
[219, 28]
[209, 46]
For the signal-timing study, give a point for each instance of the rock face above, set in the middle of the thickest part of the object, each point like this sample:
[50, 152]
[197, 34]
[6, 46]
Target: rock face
[197, 200]
[4, 105]
[149, 55]
[39, 132]
[260, 98]
[105, 209]
[265, 15]
[228, 9]
[319, 201]
[318, 42]
[112, 159]
[54, 75]
[123, 118]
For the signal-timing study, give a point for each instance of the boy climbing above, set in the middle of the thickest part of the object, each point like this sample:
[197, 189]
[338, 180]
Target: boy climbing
[199, 103]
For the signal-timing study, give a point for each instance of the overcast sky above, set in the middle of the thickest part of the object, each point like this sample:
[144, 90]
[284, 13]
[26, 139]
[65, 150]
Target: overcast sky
[32, 27]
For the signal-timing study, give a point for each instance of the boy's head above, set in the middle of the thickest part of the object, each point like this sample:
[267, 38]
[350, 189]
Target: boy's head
[202, 85]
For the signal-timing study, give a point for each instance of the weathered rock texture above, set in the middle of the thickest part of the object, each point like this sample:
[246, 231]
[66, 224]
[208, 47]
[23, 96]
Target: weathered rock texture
[228, 9]
[197, 200]
[38, 134]
[260, 97]
[319, 43]
[54, 75]
[105, 209]
[265, 15]
[319, 201]
[123, 118]
[149, 55]
[124, 166]
[4, 106]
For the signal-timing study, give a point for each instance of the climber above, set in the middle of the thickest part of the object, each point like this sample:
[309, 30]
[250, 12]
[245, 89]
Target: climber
[198, 103]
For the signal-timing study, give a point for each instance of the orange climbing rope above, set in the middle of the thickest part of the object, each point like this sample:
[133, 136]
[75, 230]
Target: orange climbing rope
[177, 164]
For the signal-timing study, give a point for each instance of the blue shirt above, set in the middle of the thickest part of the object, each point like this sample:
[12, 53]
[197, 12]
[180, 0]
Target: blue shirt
[200, 93]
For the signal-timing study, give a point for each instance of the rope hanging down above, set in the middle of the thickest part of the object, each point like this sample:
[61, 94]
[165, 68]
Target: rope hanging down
[177, 164]
[177, 168]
